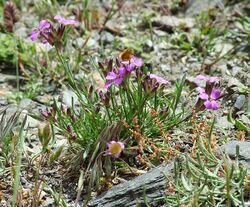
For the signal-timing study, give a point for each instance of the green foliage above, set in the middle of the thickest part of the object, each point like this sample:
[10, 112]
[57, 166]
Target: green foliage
[9, 46]
[7, 138]
[206, 180]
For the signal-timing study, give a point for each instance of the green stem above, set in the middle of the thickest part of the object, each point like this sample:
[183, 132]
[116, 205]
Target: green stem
[110, 119]
[17, 68]
[18, 164]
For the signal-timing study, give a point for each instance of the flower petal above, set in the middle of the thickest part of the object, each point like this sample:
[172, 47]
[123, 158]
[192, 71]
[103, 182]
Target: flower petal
[215, 94]
[44, 24]
[200, 89]
[159, 79]
[118, 81]
[137, 61]
[108, 84]
[203, 96]
[111, 75]
[208, 104]
[58, 18]
[214, 105]
[34, 34]
[122, 71]
[130, 67]
[64, 21]
[121, 144]
[201, 77]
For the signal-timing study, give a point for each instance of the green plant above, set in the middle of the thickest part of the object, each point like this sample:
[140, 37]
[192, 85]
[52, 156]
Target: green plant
[8, 45]
[205, 179]
[7, 137]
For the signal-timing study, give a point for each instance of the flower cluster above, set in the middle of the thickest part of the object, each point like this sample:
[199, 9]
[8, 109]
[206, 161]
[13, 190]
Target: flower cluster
[211, 93]
[47, 33]
[126, 63]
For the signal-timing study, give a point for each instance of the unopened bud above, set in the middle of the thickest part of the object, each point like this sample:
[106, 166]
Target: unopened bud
[45, 134]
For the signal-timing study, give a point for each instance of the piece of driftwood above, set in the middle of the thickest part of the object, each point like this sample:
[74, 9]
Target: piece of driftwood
[147, 188]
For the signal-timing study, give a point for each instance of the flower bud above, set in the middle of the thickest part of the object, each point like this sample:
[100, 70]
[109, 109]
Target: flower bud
[45, 134]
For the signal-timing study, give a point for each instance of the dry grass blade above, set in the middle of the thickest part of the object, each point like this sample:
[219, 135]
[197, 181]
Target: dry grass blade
[11, 15]
[7, 123]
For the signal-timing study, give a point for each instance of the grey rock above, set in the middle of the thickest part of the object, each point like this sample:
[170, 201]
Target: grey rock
[197, 6]
[107, 37]
[44, 99]
[244, 150]
[3, 101]
[31, 122]
[131, 193]
[167, 23]
[27, 104]
[240, 101]
[68, 97]
[236, 70]
[223, 122]
[92, 43]
[148, 46]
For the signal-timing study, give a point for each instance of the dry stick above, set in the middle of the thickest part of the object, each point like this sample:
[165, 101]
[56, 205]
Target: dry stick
[108, 17]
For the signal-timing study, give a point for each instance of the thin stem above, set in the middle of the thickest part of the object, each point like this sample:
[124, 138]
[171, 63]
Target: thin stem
[17, 68]
[110, 119]
[18, 163]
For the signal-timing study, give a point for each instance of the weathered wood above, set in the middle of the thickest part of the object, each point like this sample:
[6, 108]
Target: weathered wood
[131, 193]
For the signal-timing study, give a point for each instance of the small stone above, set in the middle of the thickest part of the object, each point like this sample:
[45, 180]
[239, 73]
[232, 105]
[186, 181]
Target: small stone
[244, 150]
[3, 101]
[68, 98]
[107, 37]
[236, 70]
[148, 46]
[223, 122]
[167, 23]
[26, 103]
[240, 101]
[197, 6]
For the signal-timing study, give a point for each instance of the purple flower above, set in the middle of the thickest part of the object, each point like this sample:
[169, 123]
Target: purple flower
[159, 80]
[43, 30]
[114, 148]
[210, 99]
[64, 21]
[115, 78]
[132, 63]
[212, 79]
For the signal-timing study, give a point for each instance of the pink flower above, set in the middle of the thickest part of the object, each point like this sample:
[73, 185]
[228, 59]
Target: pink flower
[159, 80]
[42, 31]
[210, 99]
[115, 78]
[64, 21]
[114, 148]
[131, 64]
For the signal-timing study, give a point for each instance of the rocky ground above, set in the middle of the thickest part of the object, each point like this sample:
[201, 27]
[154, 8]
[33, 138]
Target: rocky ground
[174, 38]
